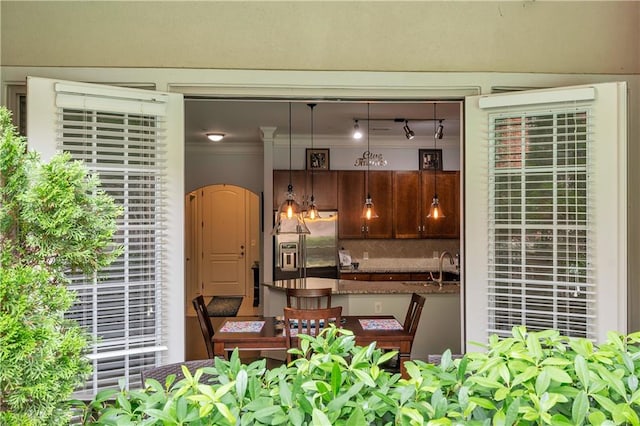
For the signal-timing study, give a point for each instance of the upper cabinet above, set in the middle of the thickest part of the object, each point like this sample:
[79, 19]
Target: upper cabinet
[412, 196]
[447, 185]
[407, 204]
[325, 187]
[281, 184]
[350, 200]
[401, 199]
[381, 190]
[351, 196]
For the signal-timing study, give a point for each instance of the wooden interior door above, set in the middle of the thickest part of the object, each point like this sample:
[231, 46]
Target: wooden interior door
[224, 241]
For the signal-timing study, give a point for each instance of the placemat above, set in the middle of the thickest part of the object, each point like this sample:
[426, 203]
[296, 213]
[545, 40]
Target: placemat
[242, 326]
[380, 324]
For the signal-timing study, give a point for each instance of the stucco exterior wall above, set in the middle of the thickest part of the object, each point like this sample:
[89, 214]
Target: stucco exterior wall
[519, 36]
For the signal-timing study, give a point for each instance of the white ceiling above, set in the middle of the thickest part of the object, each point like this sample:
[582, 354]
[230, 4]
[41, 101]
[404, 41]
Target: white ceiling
[240, 120]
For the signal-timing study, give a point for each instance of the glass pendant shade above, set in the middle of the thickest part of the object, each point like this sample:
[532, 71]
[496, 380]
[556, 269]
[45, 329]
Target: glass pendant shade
[368, 211]
[312, 212]
[435, 211]
[289, 219]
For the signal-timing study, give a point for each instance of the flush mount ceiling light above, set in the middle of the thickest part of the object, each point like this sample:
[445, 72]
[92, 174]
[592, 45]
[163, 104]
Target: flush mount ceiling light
[357, 134]
[215, 137]
[408, 133]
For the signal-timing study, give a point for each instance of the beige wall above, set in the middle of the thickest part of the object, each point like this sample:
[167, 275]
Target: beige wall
[519, 36]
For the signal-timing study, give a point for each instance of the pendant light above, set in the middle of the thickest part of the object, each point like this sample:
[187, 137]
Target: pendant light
[368, 211]
[289, 219]
[312, 210]
[435, 211]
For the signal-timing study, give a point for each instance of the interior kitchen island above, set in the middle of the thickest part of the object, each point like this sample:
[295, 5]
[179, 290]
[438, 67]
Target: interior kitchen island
[440, 324]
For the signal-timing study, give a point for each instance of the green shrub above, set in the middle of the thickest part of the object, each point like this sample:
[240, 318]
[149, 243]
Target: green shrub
[531, 378]
[53, 218]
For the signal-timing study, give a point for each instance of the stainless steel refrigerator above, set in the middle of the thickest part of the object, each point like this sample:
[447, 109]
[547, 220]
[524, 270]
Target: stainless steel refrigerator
[312, 255]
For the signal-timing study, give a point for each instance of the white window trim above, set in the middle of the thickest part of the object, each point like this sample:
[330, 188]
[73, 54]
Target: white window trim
[609, 111]
[41, 130]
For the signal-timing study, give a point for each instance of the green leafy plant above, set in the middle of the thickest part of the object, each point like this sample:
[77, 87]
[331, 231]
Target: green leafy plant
[53, 218]
[531, 378]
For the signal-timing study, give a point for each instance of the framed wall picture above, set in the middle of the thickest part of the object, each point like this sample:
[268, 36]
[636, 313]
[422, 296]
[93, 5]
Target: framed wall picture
[430, 159]
[317, 159]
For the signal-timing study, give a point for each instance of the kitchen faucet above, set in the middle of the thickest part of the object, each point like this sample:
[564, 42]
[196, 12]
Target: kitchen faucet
[442, 256]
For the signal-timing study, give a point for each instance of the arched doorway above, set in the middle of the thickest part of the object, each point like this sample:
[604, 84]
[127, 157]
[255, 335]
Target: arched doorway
[222, 243]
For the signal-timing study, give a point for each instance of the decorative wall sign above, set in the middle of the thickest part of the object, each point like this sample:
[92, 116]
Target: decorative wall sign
[430, 159]
[370, 159]
[317, 159]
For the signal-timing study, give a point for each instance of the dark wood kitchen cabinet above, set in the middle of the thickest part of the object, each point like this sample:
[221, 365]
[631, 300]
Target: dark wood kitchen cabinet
[351, 197]
[350, 200]
[447, 183]
[325, 187]
[407, 204]
[281, 182]
[412, 196]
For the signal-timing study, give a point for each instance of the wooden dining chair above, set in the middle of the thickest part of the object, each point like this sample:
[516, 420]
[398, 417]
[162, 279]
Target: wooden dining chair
[411, 320]
[205, 323]
[308, 321]
[309, 298]
[414, 312]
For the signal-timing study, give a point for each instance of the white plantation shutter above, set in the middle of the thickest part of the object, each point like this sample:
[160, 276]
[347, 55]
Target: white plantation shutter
[121, 135]
[540, 253]
[545, 216]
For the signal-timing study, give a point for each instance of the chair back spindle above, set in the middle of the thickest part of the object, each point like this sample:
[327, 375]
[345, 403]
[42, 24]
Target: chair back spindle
[308, 321]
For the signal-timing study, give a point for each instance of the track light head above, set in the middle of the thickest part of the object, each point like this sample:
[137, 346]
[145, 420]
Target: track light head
[408, 133]
[357, 133]
[440, 130]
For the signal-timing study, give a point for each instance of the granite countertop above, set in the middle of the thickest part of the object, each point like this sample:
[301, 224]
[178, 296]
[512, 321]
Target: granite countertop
[400, 265]
[368, 287]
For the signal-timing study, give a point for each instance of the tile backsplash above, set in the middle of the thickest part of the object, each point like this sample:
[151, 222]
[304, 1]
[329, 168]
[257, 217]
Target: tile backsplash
[398, 248]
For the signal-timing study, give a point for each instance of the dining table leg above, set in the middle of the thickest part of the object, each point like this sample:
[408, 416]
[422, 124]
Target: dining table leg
[218, 349]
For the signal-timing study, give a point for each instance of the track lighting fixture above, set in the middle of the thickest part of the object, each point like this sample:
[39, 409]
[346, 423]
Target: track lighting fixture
[408, 133]
[357, 134]
[215, 137]
[440, 130]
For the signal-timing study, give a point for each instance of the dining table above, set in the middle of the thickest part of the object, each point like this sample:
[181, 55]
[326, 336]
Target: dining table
[267, 333]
